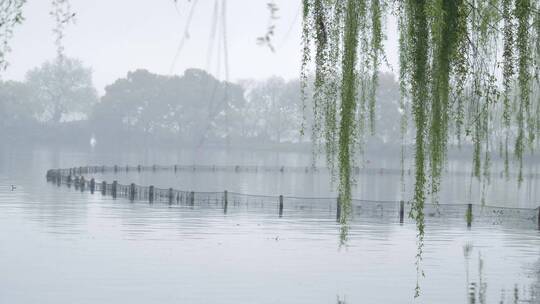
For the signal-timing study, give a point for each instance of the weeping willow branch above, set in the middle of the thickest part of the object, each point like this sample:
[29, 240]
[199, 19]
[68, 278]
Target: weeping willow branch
[348, 103]
[452, 76]
[266, 39]
[10, 16]
[63, 15]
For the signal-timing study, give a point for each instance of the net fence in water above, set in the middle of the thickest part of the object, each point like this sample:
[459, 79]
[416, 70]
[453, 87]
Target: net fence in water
[252, 169]
[79, 179]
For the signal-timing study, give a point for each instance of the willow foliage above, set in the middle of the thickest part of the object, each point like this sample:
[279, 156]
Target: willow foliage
[63, 15]
[10, 16]
[469, 73]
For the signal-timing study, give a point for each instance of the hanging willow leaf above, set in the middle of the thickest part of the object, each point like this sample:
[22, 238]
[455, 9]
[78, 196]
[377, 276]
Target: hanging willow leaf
[10, 16]
[452, 54]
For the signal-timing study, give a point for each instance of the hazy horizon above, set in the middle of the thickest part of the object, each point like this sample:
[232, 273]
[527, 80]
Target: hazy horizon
[150, 36]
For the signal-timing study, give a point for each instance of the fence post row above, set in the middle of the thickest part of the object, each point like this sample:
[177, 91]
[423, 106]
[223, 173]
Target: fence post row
[75, 176]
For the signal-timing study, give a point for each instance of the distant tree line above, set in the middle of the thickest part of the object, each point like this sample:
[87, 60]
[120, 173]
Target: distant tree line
[58, 103]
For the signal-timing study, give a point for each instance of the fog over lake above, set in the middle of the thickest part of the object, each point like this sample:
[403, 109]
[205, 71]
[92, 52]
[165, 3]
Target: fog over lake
[273, 151]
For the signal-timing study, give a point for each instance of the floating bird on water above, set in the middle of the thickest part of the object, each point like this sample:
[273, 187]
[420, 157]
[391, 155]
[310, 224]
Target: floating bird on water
[13, 187]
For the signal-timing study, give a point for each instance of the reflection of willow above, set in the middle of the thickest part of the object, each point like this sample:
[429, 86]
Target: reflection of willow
[344, 216]
[535, 289]
[476, 291]
[467, 249]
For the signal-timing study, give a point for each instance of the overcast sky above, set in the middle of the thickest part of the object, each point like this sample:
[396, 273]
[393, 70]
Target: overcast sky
[117, 36]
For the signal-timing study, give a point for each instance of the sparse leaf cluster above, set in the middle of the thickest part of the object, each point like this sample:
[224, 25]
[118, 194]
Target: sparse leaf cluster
[10, 16]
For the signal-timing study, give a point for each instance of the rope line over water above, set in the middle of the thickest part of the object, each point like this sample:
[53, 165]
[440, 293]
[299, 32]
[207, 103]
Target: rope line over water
[82, 178]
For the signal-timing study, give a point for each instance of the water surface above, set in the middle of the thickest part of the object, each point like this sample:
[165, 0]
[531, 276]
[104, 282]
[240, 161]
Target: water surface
[63, 246]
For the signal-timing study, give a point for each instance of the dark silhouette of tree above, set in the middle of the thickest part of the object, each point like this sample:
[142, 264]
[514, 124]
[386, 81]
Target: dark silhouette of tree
[192, 107]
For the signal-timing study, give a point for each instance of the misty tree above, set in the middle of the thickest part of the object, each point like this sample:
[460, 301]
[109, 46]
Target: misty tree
[15, 109]
[194, 107]
[274, 109]
[211, 105]
[61, 89]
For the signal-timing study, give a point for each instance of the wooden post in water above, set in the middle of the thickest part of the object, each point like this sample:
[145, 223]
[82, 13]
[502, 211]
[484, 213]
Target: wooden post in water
[175, 168]
[76, 183]
[280, 205]
[58, 178]
[401, 211]
[469, 215]
[139, 168]
[171, 196]
[69, 180]
[225, 201]
[114, 189]
[132, 192]
[338, 209]
[192, 198]
[153, 167]
[83, 183]
[539, 218]
[151, 194]
[115, 168]
[127, 168]
[92, 185]
[103, 188]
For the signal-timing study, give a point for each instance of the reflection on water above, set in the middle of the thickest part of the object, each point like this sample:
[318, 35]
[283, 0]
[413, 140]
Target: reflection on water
[340, 301]
[70, 247]
[477, 290]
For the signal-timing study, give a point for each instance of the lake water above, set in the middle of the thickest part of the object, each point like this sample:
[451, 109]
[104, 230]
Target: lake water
[59, 245]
